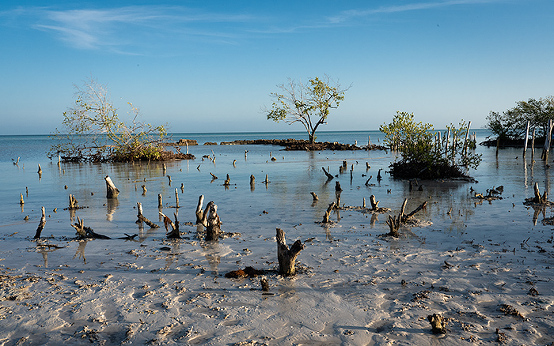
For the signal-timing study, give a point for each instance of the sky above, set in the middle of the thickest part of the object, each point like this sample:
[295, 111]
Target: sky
[210, 66]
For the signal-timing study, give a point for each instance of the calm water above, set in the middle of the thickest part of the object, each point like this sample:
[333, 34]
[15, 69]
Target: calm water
[285, 202]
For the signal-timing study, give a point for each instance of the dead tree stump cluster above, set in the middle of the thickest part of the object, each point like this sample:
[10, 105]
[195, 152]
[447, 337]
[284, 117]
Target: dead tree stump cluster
[213, 223]
[394, 222]
[286, 256]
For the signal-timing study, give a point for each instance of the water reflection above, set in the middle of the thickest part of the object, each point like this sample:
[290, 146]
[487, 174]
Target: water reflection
[111, 207]
[81, 250]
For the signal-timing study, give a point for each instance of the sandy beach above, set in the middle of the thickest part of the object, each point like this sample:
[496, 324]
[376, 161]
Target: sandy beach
[486, 267]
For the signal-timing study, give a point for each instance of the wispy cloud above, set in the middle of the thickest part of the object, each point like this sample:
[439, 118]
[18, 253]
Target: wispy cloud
[346, 16]
[130, 27]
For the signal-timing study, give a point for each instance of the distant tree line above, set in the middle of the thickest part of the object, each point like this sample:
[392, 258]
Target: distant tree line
[511, 124]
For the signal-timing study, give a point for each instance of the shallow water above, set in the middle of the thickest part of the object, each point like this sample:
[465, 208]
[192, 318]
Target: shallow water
[285, 202]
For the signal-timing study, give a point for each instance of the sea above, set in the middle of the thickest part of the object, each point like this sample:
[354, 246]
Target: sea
[493, 249]
[286, 199]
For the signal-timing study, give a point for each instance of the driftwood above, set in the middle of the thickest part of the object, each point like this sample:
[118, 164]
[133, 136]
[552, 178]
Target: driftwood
[327, 216]
[41, 224]
[174, 232]
[84, 232]
[438, 323]
[212, 222]
[329, 175]
[111, 190]
[314, 196]
[286, 256]
[142, 218]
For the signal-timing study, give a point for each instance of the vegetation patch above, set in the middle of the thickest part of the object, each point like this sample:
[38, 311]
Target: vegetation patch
[425, 153]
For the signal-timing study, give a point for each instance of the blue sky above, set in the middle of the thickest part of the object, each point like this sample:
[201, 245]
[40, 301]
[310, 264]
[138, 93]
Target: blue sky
[209, 66]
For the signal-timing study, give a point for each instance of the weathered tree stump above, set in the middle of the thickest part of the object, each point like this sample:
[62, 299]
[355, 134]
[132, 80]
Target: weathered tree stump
[286, 256]
[73, 204]
[174, 232]
[142, 218]
[199, 211]
[327, 215]
[41, 224]
[176, 198]
[329, 175]
[111, 190]
[394, 223]
[160, 204]
[374, 203]
[21, 201]
[314, 196]
[227, 181]
[338, 191]
[438, 324]
[84, 232]
[538, 198]
[212, 223]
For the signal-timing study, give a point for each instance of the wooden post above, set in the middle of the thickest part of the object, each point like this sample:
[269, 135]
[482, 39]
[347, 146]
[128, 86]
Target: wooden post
[338, 191]
[21, 201]
[41, 224]
[497, 146]
[141, 217]
[111, 190]
[176, 198]
[160, 205]
[526, 139]
[287, 257]
[213, 223]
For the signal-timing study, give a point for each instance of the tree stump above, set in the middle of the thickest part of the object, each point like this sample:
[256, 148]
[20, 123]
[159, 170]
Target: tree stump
[327, 216]
[314, 196]
[438, 324]
[111, 190]
[374, 203]
[174, 232]
[212, 223]
[199, 211]
[329, 176]
[41, 224]
[86, 232]
[286, 256]
[142, 218]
